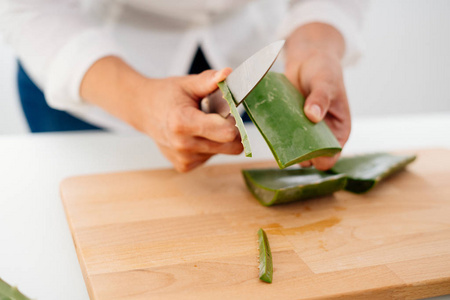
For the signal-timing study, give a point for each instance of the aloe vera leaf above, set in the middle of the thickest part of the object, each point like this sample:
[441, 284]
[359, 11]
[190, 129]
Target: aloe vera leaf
[274, 186]
[239, 123]
[365, 171]
[276, 108]
[265, 257]
[10, 292]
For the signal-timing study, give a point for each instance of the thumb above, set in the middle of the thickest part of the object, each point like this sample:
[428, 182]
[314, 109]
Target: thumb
[205, 83]
[318, 102]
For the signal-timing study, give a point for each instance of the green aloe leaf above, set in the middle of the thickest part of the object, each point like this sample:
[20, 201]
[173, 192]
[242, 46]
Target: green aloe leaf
[365, 171]
[239, 123]
[274, 186]
[265, 257]
[276, 108]
[10, 292]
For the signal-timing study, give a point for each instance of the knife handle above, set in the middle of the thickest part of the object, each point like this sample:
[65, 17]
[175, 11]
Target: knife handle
[215, 103]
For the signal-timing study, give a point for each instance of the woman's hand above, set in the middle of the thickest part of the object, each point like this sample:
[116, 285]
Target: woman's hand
[313, 54]
[167, 110]
[169, 113]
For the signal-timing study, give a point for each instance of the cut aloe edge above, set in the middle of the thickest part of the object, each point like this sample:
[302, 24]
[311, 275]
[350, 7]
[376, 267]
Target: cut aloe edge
[265, 257]
[276, 108]
[239, 123]
[10, 292]
[366, 171]
[275, 186]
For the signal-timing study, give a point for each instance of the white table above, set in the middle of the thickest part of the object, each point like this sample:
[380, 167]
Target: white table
[36, 249]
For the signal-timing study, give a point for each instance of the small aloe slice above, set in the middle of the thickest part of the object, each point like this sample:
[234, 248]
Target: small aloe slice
[265, 257]
[8, 292]
[276, 108]
[274, 186]
[365, 171]
[239, 123]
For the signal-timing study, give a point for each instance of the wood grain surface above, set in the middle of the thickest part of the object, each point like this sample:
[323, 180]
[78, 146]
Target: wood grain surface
[163, 235]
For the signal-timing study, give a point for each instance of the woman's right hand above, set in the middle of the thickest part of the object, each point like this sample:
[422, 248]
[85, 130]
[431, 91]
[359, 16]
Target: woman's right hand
[165, 109]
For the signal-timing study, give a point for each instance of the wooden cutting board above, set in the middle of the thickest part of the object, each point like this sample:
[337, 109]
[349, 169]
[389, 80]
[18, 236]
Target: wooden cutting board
[163, 235]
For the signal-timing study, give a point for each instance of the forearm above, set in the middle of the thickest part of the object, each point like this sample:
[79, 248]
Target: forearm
[112, 84]
[46, 48]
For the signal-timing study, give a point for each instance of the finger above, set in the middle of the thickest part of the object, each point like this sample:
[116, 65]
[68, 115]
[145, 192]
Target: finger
[306, 164]
[193, 122]
[318, 102]
[188, 162]
[339, 118]
[203, 84]
[209, 147]
[293, 74]
[340, 128]
[202, 145]
[183, 161]
[324, 163]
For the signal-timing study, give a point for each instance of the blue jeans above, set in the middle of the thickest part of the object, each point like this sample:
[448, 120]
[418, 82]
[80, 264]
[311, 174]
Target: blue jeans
[40, 116]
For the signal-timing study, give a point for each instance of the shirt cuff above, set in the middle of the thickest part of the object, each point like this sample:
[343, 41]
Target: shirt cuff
[330, 13]
[62, 90]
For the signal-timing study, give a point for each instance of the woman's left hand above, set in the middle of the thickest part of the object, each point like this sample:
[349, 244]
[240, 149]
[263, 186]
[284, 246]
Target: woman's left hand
[313, 66]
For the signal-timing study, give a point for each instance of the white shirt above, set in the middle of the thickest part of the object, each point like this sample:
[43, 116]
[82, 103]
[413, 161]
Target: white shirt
[58, 40]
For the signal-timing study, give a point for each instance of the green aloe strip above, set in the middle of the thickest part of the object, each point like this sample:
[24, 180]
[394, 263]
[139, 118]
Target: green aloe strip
[275, 186]
[265, 257]
[365, 171]
[8, 292]
[239, 123]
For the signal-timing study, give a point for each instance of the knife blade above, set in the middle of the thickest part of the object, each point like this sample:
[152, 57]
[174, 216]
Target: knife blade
[243, 79]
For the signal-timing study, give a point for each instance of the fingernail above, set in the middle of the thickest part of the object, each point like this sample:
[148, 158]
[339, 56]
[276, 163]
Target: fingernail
[216, 76]
[316, 111]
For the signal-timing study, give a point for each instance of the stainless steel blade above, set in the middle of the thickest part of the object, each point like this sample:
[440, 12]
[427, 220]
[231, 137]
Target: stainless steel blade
[247, 75]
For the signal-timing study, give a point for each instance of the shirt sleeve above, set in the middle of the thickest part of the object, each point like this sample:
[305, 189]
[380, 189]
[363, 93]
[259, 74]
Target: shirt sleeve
[56, 43]
[344, 15]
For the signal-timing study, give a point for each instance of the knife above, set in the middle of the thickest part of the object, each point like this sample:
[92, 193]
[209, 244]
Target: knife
[243, 79]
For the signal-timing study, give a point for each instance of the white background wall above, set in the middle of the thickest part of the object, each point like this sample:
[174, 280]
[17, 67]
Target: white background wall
[406, 63]
[405, 67]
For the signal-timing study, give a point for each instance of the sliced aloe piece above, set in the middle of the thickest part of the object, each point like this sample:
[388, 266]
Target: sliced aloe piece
[265, 257]
[8, 292]
[239, 123]
[276, 108]
[274, 186]
[365, 171]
